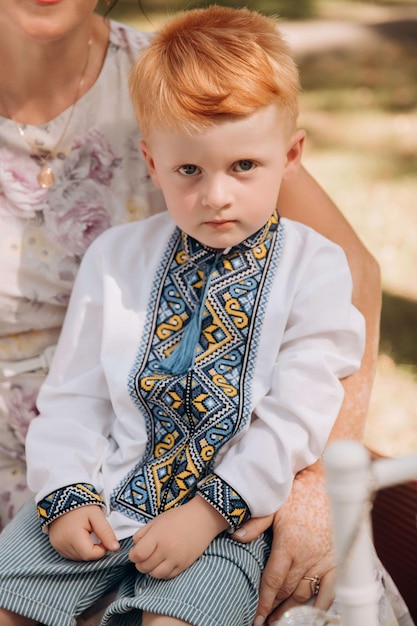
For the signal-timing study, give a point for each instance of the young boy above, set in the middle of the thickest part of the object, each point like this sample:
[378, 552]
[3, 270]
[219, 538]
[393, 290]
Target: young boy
[198, 369]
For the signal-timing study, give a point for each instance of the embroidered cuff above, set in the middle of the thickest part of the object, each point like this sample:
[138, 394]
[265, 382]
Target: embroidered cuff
[66, 499]
[225, 500]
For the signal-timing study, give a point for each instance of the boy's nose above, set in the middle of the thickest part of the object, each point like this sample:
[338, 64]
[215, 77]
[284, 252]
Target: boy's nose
[217, 194]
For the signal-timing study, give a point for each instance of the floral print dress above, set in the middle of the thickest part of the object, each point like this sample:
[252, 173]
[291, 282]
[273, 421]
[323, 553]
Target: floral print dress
[101, 180]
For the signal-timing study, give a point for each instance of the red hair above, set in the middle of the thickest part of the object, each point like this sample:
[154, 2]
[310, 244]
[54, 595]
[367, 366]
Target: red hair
[213, 64]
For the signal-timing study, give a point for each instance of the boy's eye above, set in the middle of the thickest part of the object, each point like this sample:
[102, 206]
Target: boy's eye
[189, 170]
[245, 165]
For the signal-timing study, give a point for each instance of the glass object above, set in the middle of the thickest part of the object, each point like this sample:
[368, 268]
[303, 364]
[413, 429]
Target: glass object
[307, 616]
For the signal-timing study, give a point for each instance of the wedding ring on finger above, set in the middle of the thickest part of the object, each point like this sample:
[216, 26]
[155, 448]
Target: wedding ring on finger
[314, 584]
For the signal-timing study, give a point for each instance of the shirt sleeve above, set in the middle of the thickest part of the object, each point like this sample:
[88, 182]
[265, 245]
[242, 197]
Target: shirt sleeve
[66, 499]
[67, 442]
[226, 500]
[323, 341]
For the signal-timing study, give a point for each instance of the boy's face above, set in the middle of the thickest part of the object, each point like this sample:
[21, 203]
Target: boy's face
[221, 185]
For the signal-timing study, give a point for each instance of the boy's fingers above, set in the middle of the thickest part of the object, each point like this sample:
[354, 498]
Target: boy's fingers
[103, 531]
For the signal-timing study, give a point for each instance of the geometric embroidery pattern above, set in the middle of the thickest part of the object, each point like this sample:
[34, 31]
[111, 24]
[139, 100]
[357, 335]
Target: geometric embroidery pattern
[190, 416]
[225, 500]
[66, 499]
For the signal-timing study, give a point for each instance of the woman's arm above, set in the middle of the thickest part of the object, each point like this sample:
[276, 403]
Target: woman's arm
[303, 541]
[303, 200]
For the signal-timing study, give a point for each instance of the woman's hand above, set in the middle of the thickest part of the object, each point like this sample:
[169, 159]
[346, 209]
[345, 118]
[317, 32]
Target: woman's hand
[302, 546]
[322, 600]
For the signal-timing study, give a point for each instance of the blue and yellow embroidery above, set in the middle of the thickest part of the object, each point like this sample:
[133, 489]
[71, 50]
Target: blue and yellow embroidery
[191, 415]
[67, 499]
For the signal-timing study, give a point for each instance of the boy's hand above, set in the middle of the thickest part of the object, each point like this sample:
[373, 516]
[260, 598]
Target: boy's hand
[171, 542]
[71, 534]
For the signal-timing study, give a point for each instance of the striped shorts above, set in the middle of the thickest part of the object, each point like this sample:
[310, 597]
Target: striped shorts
[219, 589]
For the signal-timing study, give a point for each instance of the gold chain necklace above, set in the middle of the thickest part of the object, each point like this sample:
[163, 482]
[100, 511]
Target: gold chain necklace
[46, 176]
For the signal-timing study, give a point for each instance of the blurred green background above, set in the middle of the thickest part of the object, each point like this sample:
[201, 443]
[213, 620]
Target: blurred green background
[358, 67]
[288, 9]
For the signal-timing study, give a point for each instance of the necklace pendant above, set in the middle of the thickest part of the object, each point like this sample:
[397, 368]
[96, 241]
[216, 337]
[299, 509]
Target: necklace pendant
[46, 177]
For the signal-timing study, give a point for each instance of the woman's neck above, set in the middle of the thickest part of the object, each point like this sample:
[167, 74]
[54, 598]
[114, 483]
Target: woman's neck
[39, 80]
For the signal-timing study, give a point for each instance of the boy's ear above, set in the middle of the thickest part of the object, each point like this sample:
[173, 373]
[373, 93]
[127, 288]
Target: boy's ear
[294, 153]
[149, 162]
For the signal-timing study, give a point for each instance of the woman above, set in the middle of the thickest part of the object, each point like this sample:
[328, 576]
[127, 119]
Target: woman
[71, 168]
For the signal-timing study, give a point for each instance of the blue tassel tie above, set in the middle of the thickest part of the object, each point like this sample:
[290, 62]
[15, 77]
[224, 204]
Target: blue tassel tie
[182, 357]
